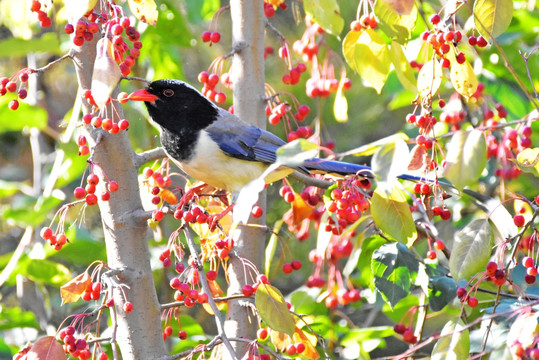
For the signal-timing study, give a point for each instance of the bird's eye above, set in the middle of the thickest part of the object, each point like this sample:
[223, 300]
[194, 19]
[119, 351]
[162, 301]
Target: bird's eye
[168, 92]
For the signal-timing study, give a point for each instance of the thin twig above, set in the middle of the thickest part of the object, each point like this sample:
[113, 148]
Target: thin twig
[69, 55]
[217, 299]
[526, 57]
[206, 288]
[135, 78]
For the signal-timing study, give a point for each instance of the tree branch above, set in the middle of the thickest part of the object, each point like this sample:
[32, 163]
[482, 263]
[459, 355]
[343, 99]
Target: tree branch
[149, 155]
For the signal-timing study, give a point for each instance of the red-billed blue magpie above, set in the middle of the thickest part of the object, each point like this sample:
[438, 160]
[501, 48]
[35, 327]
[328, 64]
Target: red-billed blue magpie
[214, 146]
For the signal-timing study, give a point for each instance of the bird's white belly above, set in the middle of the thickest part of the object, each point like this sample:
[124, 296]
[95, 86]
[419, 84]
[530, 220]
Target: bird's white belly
[215, 168]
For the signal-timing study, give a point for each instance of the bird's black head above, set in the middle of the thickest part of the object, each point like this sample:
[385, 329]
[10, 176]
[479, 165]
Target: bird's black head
[177, 106]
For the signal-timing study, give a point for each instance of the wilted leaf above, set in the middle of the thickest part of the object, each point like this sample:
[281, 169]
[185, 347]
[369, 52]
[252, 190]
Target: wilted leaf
[404, 71]
[77, 8]
[168, 196]
[144, 10]
[272, 309]
[419, 159]
[310, 344]
[429, 78]
[73, 290]
[471, 250]
[106, 73]
[492, 16]
[325, 13]
[46, 348]
[340, 107]
[397, 18]
[300, 209]
[454, 343]
[391, 213]
[466, 157]
[463, 78]
[280, 340]
[528, 161]
[372, 59]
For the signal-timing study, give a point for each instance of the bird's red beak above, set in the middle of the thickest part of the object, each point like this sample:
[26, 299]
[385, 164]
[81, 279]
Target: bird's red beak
[142, 95]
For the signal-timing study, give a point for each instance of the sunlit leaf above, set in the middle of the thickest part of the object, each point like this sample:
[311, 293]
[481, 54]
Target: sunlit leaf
[77, 8]
[397, 18]
[46, 348]
[454, 342]
[296, 152]
[47, 272]
[463, 78]
[429, 78]
[309, 341]
[372, 59]
[471, 250]
[325, 13]
[371, 148]
[144, 10]
[272, 246]
[442, 290]
[340, 106]
[404, 71]
[466, 157]
[528, 161]
[492, 16]
[72, 291]
[394, 268]
[14, 317]
[300, 210]
[349, 48]
[391, 213]
[272, 309]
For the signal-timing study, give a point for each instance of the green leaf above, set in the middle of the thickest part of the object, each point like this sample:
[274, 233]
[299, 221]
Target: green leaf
[466, 157]
[47, 272]
[471, 250]
[14, 317]
[305, 304]
[390, 161]
[371, 148]
[325, 13]
[394, 268]
[442, 290]
[272, 246]
[397, 18]
[391, 213]
[25, 116]
[16, 47]
[492, 17]
[8, 188]
[404, 71]
[296, 152]
[454, 343]
[372, 59]
[368, 338]
[30, 212]
[528, 161]
[272, 309]
[429, 78]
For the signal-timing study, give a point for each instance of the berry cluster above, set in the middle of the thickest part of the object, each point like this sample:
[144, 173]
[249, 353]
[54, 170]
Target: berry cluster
[77, 348]
[440, 40]
[269, 8]
[531, 269]
[289, 267]
[88, 192]
[366, 21]
[115, 27]
[406, 332]
[425, 123]
[167, 332]
[92, 292]
[437, 245]
[210, 81]
[107, 124]
[293, 76]
[44, 19]
[512, 142]
[159, 183]
[16, 83]
[211, 36]
[57, 241]
[464, 297]
[185, 293]
[248, 289]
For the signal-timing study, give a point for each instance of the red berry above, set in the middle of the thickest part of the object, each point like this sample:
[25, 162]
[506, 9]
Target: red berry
[79, 193]
[262, 333]
[36, 6]
[206, 36]
[529, 279]
[182, 335]
[46, 233]
[128, 307]
[113, 186]
[491, 268]
[446, 214]
[296, 264]
[461, 58]
[289, 197]
[482, 42]
[472, 301]
[287, 268]
[257, 211]
[91, 199]
[93, 179]
[247, 290]
[434, 19]
[13, 105]
[439, 245]
[519, 220]
[431, 254]
[123, 124]
[472, 40]
[461, 292]
[215, 37]
[211, 275]
[527, 262]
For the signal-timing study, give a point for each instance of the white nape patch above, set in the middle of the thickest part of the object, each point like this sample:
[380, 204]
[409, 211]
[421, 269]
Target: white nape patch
[210, 165]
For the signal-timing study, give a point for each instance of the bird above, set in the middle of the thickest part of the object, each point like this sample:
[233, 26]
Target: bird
[215, 146]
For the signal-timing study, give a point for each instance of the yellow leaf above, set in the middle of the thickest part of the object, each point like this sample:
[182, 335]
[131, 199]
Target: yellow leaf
[391, 213]
[272, 309]
[73, 290]
[77, 8]
[402, 7]
[492, 16]
[340, 107]
[429, 79]
[310, 346]
[144, 10]
[349, 47]
[325, 13]
[463, 78]
[397, 18]
[300, 209]
[528, 161]
[168, 196]
[404, 71]
[372, 59]
[280, 340]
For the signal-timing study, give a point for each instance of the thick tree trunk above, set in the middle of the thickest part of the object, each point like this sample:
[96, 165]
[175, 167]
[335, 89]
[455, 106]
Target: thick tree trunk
[248, 24]
[139, 333]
